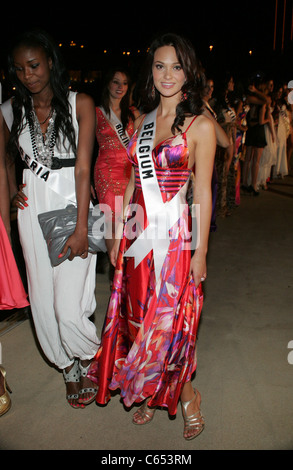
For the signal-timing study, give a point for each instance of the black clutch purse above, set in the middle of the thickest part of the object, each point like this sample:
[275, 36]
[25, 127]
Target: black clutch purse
[58, 225]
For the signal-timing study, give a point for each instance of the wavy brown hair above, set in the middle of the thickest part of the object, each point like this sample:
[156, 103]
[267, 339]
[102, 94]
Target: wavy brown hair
[126, 113]
[193, 87]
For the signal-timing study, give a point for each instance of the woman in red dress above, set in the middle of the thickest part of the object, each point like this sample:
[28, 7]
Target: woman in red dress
[148, 346]
[113, 131]
[12, 293]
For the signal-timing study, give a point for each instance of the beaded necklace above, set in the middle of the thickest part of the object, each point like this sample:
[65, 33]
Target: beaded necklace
[43, 144]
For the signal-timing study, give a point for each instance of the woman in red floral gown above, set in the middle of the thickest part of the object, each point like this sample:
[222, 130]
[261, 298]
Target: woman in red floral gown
[149, 337]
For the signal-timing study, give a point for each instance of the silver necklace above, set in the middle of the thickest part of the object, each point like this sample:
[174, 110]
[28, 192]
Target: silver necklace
[43, 144]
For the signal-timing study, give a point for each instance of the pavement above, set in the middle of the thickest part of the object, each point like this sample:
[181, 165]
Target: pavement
[245, 355]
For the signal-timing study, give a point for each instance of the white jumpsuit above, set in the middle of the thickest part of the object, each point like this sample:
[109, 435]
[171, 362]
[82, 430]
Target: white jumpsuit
[63, 297]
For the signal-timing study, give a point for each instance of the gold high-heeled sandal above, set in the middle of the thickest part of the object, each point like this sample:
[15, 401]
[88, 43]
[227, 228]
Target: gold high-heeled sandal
[5, 401]
[145, 413]
[195, 421]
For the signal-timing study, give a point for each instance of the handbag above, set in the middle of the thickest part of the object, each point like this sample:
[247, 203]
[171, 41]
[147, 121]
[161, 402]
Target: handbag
[58, 225]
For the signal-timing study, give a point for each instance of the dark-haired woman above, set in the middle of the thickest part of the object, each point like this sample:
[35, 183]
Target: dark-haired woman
[149, 338]
[224, 158]
[53, 129]
[114, 129]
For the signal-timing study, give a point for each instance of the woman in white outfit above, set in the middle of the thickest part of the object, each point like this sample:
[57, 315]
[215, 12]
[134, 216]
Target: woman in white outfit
[54, 130]
[281, 119]
[269, 154]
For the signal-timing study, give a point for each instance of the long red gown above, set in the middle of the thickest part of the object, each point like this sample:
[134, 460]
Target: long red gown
[148, 346]
[12, 293]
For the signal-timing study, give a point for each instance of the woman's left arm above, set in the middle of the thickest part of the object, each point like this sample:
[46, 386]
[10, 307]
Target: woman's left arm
[204, 148]
[85, 111]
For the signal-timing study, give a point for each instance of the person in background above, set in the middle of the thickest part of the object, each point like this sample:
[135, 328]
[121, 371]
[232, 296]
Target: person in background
[282, 126]
[257, 117]
[269, 154]
[222, 142]
[227, 119]
[239, 147]
[114, 128]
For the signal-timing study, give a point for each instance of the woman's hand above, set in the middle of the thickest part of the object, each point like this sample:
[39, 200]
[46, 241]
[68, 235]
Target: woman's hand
[78, 245]
[19, 200]
[93, 193]
[198, 267]
[114, 252]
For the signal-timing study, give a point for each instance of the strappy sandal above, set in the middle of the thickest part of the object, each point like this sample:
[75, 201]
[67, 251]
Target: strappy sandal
[72, 376]
[145, 413]
[193, 422]
[94, 391]
[5, 401]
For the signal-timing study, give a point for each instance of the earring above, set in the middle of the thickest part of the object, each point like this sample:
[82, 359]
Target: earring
[184, 96]
[153, 92]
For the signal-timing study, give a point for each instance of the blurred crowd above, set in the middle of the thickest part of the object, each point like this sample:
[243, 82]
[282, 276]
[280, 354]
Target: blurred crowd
[257, 119]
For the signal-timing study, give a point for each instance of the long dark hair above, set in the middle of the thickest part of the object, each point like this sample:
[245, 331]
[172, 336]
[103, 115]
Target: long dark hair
[193, 87]
[59, 81]
[126, 113]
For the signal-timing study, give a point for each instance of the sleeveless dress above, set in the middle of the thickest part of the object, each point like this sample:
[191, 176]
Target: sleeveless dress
[12, 293]
[255, 135]
[149, 339]
[281, 166]
[62, 298]
[112, 168]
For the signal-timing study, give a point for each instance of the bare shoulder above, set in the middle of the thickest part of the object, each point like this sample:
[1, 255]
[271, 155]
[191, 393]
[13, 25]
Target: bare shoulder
[138, 121]
[84, 102]
[203, 125]
[202, 129]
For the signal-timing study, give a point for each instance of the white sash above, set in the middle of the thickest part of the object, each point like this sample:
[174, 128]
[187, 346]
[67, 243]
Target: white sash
[118, 127]
[158, 212]
[57, 182]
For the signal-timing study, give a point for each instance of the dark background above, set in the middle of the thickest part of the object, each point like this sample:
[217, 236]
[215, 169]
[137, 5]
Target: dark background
[233, 28]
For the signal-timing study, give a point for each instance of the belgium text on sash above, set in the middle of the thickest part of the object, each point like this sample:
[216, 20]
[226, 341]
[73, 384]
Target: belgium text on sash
[156, 210]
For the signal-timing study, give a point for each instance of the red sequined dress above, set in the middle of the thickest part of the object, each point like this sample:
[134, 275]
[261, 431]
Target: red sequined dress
[148, 346]
[112, 168]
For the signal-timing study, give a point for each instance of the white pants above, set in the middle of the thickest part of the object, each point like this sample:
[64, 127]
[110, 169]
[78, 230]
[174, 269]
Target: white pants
[62, 298]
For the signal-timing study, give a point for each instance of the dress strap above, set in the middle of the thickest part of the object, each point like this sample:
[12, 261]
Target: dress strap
[191, 123]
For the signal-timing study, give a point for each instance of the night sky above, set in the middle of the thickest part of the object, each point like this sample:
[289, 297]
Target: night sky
[232, 27]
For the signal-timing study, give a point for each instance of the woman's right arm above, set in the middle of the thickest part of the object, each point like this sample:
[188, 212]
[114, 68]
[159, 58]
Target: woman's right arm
[119, 230]
[126, 199]
[4, 186]
[222, 138]
[17, 198]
